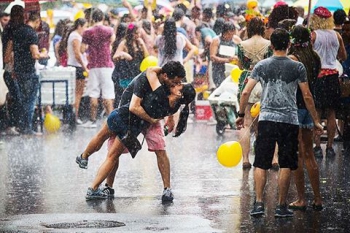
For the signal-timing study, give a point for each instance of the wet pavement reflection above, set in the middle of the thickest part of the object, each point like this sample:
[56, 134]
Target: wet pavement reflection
[40, 179]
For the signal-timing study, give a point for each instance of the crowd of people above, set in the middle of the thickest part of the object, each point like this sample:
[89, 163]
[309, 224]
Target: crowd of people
[291, 64]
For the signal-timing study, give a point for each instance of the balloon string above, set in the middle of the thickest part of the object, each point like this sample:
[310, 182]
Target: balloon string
[245, 134]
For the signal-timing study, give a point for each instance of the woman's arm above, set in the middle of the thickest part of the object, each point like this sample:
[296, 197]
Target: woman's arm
[341, 51]
[76, 49]
[152, 77]
[120, 52]
[214, 47]
[190, 48]
[144, 47]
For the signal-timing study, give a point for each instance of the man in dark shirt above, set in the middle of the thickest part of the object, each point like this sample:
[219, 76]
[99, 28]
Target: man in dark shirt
[131, 103]
[25, 50]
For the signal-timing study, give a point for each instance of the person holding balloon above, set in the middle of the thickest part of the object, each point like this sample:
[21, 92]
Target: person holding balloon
[250, 52]
[278, 123]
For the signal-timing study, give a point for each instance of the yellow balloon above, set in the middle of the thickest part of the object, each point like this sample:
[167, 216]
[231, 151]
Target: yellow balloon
[251, 4]
[255, 110]
[79, 14]
[229, 154]
[235, 74]
[148, 62]
[52, 123]
[206, 95]
[202, 88]
[196, 51]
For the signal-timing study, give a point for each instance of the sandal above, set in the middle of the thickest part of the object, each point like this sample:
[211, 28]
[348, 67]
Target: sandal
[275, 166]
[293, 206]
[317, 207]
[246, 165]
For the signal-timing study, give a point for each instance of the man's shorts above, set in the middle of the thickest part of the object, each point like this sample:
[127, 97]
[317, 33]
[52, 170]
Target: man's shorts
[154, 137]
[285, 135]
[100, 80]
[305, 119]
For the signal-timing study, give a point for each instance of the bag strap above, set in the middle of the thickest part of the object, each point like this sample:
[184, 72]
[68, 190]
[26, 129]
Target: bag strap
[129, 128]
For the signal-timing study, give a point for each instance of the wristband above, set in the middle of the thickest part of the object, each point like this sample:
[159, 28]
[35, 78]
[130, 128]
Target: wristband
[241, 114]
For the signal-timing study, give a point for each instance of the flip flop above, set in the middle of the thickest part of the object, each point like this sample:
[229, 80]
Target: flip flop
[292, 206]
[246, 165]
[317, 207]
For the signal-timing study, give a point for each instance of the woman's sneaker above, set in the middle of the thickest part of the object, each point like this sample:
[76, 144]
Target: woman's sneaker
[83, 163]
[258, 209]
[95, 194]
[167, 195]
[108, 190]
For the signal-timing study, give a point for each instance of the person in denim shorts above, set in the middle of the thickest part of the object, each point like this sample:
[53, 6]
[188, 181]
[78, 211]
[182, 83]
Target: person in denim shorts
[133, 99]
[302, 51]
[278, 123]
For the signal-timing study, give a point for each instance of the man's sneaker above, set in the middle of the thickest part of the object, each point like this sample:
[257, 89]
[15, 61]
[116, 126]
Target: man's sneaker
[318, 152]
[95, 194]
[167, 195]
[330, 152]
[78, 121]
[108, 190]
[90, 124]
[83, 163]
[282, 211]
[258, 209]
[11, 131]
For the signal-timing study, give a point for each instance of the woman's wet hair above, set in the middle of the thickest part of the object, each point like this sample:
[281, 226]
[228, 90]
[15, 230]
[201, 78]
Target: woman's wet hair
[255, 27]
[219, 25]
[169, 36]
[188, 94]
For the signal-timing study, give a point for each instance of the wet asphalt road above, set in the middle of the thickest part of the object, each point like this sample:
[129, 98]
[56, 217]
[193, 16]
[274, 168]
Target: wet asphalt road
[43, 190]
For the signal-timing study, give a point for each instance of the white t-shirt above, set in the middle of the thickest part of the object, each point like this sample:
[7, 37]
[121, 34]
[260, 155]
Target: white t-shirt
[70, 52]
[180, 45]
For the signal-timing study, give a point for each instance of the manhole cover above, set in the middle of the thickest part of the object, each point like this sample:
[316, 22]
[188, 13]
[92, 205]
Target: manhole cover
[85, 224]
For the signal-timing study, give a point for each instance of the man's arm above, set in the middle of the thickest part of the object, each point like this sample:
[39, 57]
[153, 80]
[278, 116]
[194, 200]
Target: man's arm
[34, 50]
[309, 103]
[136, 108]
[244, 101]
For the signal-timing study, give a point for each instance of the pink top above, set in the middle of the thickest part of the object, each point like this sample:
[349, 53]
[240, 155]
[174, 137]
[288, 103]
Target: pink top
[98, 38]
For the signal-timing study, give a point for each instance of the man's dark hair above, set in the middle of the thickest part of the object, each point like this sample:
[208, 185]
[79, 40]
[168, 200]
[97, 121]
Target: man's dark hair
[182, 7]
[4, 14]
[228, 26]
[208, 13]
[34, 16]
[173, 69]
[178, 14]
[97, 16]
[280, 39]
[339, 17]
[287, 24]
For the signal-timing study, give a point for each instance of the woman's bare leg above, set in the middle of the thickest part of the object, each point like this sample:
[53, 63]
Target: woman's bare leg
[109, 164]
[97, 141]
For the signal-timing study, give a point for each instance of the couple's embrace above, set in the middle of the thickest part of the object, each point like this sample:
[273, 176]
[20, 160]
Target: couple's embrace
[152, 95]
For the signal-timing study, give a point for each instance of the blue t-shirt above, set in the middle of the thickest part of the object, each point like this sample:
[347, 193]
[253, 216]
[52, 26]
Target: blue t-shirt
[279, 78]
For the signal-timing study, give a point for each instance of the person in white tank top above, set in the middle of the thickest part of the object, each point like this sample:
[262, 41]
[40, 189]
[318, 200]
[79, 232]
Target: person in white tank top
[330, 47]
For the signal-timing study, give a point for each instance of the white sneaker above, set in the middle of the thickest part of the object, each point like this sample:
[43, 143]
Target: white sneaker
[79, 122]
[90, 124]
[11, 131]
[167, 195]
